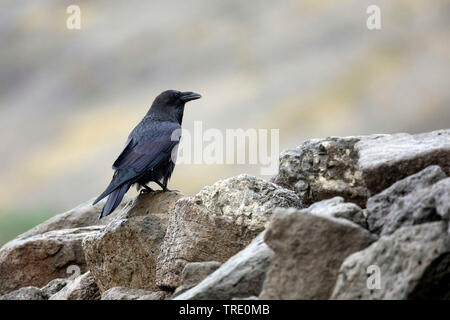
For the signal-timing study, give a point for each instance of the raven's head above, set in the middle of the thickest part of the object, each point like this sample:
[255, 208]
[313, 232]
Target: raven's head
[171, 103]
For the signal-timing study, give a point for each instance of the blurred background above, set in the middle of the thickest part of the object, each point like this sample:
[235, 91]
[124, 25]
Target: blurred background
[69, 98]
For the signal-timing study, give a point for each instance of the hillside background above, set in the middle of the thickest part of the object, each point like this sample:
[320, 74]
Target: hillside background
[68, 99]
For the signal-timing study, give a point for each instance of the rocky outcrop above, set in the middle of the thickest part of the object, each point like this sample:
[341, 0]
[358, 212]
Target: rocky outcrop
[377, 227]
[309, 249]
[125, 252]
[241, 276]
[357, 167]
[411, 263]
[36, 260]
[121, 293]
[217, 223]
[419, 198]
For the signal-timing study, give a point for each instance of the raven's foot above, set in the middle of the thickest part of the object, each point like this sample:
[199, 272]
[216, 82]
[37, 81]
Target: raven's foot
[164, 187]
[146, 189]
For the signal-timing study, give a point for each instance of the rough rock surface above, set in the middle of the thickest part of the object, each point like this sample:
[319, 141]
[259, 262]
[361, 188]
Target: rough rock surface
[356, 167]
[217, 223]
[26, 293]
[419, 198]
[53, 287]
[125, 252]
[336, 207]
[82, 287]
[36, 260]
[121, 293]
[195, 272]
[83, 215]
[241, 276]
[309, 249]
[413, 263]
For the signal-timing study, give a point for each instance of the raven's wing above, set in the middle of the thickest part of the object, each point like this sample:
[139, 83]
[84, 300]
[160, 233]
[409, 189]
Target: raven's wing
[139, 157]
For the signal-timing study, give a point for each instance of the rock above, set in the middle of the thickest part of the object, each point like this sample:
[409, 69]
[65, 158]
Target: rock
[389, 158]
[241, 276]
[412, 263]
[357, 167]
[53, 287]
[195, 272]
[309, 249]
[125, 252]
[121, 293]
[217, 223]
[336, 207]
[36, 260]
[83, 215]
[416, 199]
[81, 288]
[26, 293]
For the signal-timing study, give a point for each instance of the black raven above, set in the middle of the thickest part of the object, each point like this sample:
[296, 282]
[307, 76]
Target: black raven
[147, 155]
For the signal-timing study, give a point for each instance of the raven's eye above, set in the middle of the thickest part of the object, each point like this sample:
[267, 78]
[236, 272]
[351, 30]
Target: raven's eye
[177, 94]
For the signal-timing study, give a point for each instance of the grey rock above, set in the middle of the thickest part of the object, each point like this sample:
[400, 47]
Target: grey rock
[82, 287]
[83, 215]
[412, 263]
[309, 249]
[36, 260]
[195, 272]
[357, 167]
[217, 223]
[26, 293]
[419, 198]
[241, 276]
[336, 207]
[53, 287]
[122, 293]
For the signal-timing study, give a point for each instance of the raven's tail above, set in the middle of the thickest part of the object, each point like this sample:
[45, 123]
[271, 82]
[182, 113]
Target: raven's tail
[114, 199]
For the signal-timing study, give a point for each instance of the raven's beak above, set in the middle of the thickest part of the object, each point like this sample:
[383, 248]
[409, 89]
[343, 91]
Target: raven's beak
[188, 96]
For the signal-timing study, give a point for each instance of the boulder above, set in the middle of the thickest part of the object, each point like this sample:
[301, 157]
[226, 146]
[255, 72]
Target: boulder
[336, 207]
[411, 263]
[124, 253]
[239, 277]
[26, 293]
[36, 260]
[309, 249]
[83, 215]
[53, 287]
[357, 167]
[82, 287]
[419, 198]
[122, 293]
[217, 223]
[195, 272]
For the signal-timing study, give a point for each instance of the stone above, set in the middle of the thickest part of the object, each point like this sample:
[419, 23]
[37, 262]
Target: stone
[309, 249]
[336, 207]
[125, 252]
[217, 223]
[412, 263]
[356, 167]
[83, 215]
[82, 287]
[195, 272]
[239, 277]
[26, 293]
[121, 293]
[419, 198]
[53, 287]
[36, 260]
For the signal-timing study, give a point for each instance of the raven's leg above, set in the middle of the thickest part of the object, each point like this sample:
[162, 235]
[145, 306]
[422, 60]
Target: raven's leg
[164, 187]
[146, 189]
